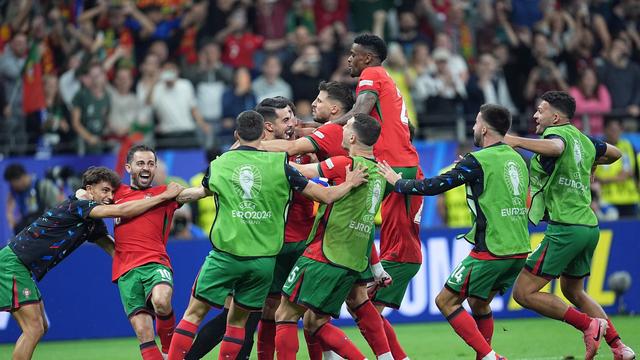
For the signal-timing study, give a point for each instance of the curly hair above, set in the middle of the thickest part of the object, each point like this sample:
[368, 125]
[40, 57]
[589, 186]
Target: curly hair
[97, 174]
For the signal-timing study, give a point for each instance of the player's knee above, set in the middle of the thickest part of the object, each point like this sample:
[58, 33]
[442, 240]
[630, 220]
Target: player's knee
[520, 295]
[442, 300]
[575, 296]
[162, 305]
[270, 307]
[34, 329]
[312, 323]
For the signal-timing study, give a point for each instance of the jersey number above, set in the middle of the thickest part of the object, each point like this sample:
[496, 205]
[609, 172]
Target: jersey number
[403, 114]
[164, 274]
[293, 273]
[458, 272]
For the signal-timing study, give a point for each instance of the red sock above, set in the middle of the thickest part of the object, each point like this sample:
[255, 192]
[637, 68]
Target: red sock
[338, 342]
[149, 351]
[287, 340]
[611, 336]
[164, 328]
[266, 339]
[314, 347]
[578, 319]
[182, 339]
[396, 350]
[466, 328]
[371, 326]
[231, 343]
[485, 325]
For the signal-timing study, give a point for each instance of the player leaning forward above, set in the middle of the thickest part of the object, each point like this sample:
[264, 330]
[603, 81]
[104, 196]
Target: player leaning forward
[560, 190]
[252, 190]
[496, 180]
[51, 238]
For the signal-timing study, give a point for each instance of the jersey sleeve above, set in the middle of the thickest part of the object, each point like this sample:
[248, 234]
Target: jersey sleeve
[601, 146]
[334, 168]
[205, 179]
[369, 81]
[83, 207]
[99, 231]
[297, 181]
[467, 171]
[326, 139]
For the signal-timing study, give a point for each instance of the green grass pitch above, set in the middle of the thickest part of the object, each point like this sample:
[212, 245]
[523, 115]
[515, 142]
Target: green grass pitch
[530, 339]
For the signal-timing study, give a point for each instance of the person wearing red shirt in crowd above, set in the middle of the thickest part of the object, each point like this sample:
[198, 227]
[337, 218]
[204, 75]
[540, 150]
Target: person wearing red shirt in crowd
[141, 265]
[240, 44]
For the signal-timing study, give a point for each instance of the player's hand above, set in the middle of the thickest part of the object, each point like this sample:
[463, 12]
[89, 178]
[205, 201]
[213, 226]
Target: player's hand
[82, 194]
[510, 140]
[173, 190]
[356, 176]
[381, 276]
[385, 170]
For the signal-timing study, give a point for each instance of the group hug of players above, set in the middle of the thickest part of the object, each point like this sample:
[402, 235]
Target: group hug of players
[274, 262]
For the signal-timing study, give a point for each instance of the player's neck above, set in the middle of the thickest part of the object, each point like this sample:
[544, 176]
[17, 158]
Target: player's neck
[359, 150]
[254, 144]
[491, 140]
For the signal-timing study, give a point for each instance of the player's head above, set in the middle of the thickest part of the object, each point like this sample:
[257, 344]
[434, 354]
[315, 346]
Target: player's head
[17, 177]
[612, 130]
[555, 108]
[249, 126]
[100, 183]
[367, 50]
[491, 120]
[278, 122]
[334, 100]
[362, 130]
[141, 165]
[280, 102]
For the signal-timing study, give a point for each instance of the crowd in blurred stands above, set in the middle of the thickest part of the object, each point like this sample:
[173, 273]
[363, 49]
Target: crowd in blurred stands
[89, 77]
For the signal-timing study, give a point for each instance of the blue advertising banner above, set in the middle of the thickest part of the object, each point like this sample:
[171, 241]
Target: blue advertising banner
[81, 302]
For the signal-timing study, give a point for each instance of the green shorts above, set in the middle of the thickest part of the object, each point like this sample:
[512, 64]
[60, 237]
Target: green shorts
[401, 274]
[479, 278]
[285, 260]
[319, 286]
[565, 250]
[17, 287]
[223, 274]
[136, 285]
[365, 277]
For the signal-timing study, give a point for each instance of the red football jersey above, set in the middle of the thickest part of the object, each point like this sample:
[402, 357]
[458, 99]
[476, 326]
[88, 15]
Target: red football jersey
[327, 140]
[334, 170]
[142, 239]
[394, 144]
[300, 216]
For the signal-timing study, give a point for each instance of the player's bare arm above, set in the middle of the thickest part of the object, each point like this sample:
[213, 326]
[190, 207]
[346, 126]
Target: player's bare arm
[364, 104]
[107, 244]
[136, 207]
[308, 170]
[545, 147]
[298, 147]
[193, 194]
[610, 156]
[331, 194]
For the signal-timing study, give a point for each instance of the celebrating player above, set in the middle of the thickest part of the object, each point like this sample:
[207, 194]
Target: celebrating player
[252, 189]
[499, 233]
[341, 241]
[141, 265]
[39, 247]
[560, 188]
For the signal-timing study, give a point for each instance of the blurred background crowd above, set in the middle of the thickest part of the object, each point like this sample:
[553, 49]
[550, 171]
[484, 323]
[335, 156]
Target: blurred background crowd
[89, 77]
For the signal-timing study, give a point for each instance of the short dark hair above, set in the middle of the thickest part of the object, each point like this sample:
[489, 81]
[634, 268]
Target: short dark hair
[249, 125]
[14, 172]
[97, 174]
[339, 92]
[561, 101]
[367, 128]
[268, 113]
[374, 44]
[278, 102]
[139, 148]
[498, 117]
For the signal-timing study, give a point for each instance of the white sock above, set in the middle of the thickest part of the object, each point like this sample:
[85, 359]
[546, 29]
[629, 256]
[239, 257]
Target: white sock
[385, 356]
[330, 355]
[490, 356]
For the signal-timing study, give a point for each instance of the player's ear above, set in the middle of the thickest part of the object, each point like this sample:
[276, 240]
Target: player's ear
[128, 168]
[235, 135]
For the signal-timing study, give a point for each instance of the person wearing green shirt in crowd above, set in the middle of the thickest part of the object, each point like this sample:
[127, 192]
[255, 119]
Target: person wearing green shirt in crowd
[496, 179]
[560, 194]
[252, 190]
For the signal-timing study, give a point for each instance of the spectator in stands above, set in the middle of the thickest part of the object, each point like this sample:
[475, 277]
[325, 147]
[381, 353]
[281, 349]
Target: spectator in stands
[270, 22]
[126, 115]
[621, 76]
[456, 63]
[183, 227]
[56, 127]
[89, 115]
[304, 75]
[11, 64]
[408, 32]
[150, 73]
[270, 84]
[240, 44]
[236, 99]
[592, 102]
[163, 177]
[174, 102]
[488, 86]
[210, 77]
[28, 196]
[452, 205]
[618, 182]
[546, 75]
[203, 212]
[331, 13]
[396, 66]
